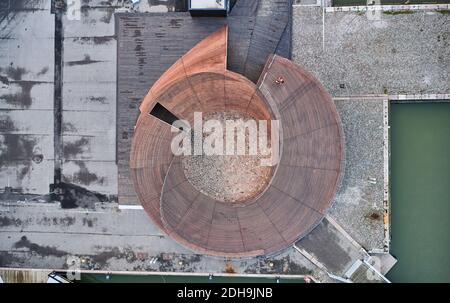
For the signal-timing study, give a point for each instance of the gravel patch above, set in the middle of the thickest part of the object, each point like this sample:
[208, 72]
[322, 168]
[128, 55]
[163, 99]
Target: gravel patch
[227, 178]
[358, 205]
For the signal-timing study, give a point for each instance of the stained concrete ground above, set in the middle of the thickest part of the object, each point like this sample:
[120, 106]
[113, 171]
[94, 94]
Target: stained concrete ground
[89, 98]
[27, 64]
[359, 53]
[26, 96]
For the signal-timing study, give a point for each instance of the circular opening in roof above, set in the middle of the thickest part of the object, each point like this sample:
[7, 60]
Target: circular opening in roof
[230, 178]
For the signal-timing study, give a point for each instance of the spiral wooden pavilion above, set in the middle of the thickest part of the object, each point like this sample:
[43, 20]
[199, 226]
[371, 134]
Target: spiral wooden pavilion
[304, 181]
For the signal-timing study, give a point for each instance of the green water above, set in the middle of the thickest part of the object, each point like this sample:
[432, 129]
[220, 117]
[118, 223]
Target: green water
[102, 278]
[420, 192]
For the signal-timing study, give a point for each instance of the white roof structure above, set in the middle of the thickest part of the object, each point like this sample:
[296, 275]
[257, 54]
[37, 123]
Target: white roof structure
[208, 4]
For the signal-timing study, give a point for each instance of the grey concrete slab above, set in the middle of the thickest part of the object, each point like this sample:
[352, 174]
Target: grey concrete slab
[23, 31]
[101, 48]
[97, 176]
[331, 248]
[48, 217]
[94, 22]
[25, 134]
[382, 262]
[36, 67]
[89, 69]
[94, 97]
[32, 122]
[36, 23]
[89, 98]
[91, 123]
[22, 147]
[26, 80]
[365, 274]
[26, 96]
[403, 53]
[81, 147]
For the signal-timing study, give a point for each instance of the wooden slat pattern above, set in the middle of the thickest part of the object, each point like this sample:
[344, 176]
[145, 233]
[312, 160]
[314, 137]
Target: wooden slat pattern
[225, 233]
[292, 224]
[316, 149]
[237, 97]
[148, 183]
[195, 225]
[258, 231]
[153, 137]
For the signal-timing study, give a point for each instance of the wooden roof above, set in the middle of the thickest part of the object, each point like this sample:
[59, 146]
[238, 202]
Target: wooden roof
[304, 181]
